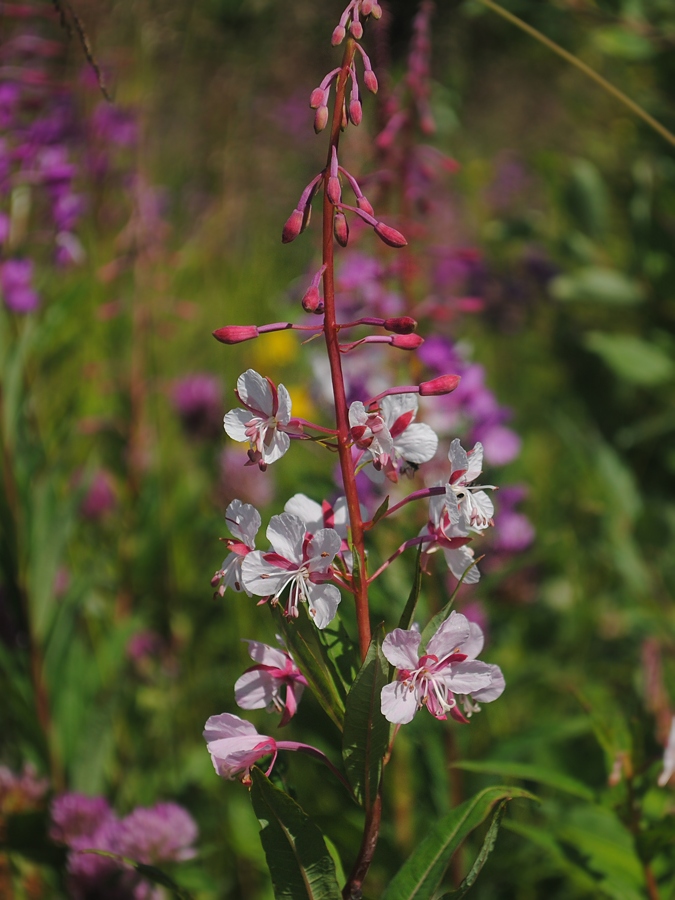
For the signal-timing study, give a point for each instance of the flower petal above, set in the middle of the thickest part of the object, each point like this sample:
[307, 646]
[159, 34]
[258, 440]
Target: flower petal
[401, 648]
[286, 533]
[459, 461]
[469, 677]
[284, 405]
[485, 695]
[255, 689]
[254, 391]
[265, 655]
[459, 561]
[393, 406]
[308, 510]
[275, 447]
[235, 423]
[322, 549]
[260, 577]
[324, 600]
[227, 725]
[243, 520]
[417, 444]
[398, 703]
[451, 635]
[474, 643]
[475, 459]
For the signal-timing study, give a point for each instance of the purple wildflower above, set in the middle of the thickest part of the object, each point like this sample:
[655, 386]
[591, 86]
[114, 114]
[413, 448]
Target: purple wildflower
[198, 400]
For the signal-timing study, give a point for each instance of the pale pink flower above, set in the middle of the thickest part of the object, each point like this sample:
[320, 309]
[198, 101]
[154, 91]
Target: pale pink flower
[267, 411]
[235, 746]
[300, 561]
[261, 686]
[448, 528]
[447, 668]
[244, 522]
[668, 758]
[325, 515]
[473, 503]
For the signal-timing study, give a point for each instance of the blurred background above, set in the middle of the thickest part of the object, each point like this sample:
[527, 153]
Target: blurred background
[541, 214]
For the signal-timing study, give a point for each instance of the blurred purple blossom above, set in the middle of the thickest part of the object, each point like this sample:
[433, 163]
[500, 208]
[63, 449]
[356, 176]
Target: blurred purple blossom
[198, 402]
[247, 483]
[16, 276]
[20, 792]
[144, 645]
[163, 833]
[100, 498]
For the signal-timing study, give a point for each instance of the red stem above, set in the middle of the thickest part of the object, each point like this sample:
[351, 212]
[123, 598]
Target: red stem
[331, 330]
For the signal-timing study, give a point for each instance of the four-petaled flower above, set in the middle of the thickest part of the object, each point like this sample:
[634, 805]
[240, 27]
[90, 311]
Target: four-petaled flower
[243, 521]
[262, 422]
[300, 561]
[260, 687]
[473, 503]
[448, 667]
[390, 437]
[450, 533]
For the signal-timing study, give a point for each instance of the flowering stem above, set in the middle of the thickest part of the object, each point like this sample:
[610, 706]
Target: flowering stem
[412, 542]
[331, 330]
[352, 889]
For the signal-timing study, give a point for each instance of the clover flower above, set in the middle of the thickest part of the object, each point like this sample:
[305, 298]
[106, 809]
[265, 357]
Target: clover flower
[447, 668]
[244, 522]
[300, 561]
[260, 687]
[261, 423]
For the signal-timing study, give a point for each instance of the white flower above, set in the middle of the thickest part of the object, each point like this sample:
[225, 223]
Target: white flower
[261, 423]
[473, 503]
[244, 522]
[449, 530]
[300, 561]
[668, 758]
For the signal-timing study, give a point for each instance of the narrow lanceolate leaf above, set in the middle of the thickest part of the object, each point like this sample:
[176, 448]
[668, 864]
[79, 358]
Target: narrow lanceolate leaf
[441, 616]
[310, 663]
[366, 732]
[380, 511]
[481, 859]
[408, 613]
[529, 773]
[421, 873]
[298, 859]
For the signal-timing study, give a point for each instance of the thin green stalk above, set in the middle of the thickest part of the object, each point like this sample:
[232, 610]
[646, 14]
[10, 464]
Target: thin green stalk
[587, 70]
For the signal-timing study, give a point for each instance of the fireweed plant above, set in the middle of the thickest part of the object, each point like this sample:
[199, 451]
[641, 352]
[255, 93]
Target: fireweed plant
[317, 553]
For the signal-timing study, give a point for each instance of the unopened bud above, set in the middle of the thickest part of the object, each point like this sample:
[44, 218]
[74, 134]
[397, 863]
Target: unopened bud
[364, 205]
[407, 341]
[316, 98]
[390, 235]
[320, 119]
[400, 324]
[376, 11]
[341, 229]
[235, 334]
[370, 81]
[294, 225]
[366, 7]
[334, 190]
[444, 384]
[356, 29]
[338, 35]
[355, 112]
[312, 299]
[344, 121]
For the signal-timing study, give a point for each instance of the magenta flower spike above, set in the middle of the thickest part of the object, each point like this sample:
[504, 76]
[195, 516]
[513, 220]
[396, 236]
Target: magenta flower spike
[299, 561]
[243, 520]
[447, 669]
[267, 411]
[274, 683]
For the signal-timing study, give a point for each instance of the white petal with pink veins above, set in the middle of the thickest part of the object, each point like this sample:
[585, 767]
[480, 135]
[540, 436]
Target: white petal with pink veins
[468, 677]
[265, 655]
[255, 689]
[308, 510]
[475, 458]
[235, 423]
[401, 648]
[496, 689]
[458, 561]
[450, 636]
[473, 645]
[322, 549]
[284, 405]
[417, 444]
[459, 462]
[243, 520]
[276, 447]
[395, 405]
[398, 703]
[253, 390]
[227, 725]
[323, 602]
[286, 533]
[262, 578]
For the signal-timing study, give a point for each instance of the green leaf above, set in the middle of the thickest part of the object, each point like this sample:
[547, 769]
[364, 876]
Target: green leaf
[623, 42]
[587, 197]
[631, 358]
[408, 613]
[528, 773]
[313, 667]
[380, 511]
[297, 856]
[366, 732]
[651, 841]
[595, 284]
[485, 851]
[422, 872]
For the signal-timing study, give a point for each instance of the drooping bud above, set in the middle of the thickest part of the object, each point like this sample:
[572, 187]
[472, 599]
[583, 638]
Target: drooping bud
[444, 384]
[364, 204]
[333, 188]
[316, 98]
[293, 227]
[390, 235]
[407, 341]
[341, 229]
[376, 11]
[311, 300]
[355, 112]
[367, 7]
[400, 324]
[370, 81]
[356, 29]
[320, 119]
[236, 334]
[338, 35]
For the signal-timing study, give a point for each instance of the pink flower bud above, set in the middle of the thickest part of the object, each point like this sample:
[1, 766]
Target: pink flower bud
[320, 119]
[356, 29]
[355, 112]
[370, 81]
[390, 235]
[338, 35]
[444, 384]
[341, 229]
[316, 98]
[407, 341]
[294, 225]
[364, 204]
[235, 334]
[334, 190]
[312, 299]
[367, 7]
[400, 324]
[376, 11]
